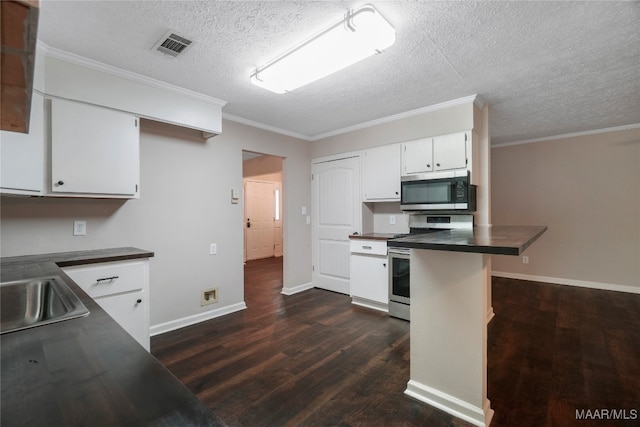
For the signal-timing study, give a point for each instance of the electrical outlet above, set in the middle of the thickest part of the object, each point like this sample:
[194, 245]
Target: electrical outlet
[525, 259]
[209, 296]
[213, 249]
[79, 228]
[392, 219]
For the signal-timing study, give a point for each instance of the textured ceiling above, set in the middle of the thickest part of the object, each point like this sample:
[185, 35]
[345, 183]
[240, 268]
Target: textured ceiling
[546, 68]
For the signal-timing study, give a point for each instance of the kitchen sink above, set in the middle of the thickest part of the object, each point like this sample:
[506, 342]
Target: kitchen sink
[36, 302]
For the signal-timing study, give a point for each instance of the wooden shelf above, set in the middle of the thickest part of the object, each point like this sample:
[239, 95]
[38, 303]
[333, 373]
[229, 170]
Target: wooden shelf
[19, 23]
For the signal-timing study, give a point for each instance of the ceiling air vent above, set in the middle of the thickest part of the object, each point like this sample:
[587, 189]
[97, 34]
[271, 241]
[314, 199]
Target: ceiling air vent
[172, 44]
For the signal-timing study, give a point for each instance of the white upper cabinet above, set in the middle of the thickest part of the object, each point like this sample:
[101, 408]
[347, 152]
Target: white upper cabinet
[450, 151]
[381, 174]
[94, 151]
[417, 156]
[22, 155]
[440, 153]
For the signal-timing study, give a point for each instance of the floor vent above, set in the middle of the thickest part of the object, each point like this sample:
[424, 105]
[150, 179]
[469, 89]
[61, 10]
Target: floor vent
[172, 44]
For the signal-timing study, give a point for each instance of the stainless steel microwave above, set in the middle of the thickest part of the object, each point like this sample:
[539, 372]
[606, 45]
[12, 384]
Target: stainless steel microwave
[438, 191]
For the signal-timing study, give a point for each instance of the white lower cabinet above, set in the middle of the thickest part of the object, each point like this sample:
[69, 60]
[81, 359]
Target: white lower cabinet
[121, 288]
[369, 274]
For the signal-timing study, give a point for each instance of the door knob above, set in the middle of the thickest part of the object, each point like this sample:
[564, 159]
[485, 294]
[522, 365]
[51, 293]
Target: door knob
[248, 223]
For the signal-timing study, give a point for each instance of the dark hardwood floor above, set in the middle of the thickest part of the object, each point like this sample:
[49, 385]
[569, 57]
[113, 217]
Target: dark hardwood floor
[314, 359]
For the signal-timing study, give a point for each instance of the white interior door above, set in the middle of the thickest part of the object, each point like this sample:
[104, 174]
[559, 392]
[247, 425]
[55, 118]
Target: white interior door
[259, 219]
[337, 213]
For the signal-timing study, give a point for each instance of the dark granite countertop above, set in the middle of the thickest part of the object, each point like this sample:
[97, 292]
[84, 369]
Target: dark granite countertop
[373, 236]
[87, 371]
[497, 240]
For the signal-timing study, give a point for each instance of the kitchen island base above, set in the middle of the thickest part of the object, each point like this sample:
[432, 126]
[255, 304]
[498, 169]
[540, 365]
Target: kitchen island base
[449, 332]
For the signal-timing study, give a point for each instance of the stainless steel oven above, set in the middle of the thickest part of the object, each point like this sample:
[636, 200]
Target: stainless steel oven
[399, 272]
[400, 262]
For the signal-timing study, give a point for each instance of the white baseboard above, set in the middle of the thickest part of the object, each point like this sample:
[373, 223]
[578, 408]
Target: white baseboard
[297, 289]
[196, 318]
[458, 408]
[490, 314]
[569, 282]
[374, 305]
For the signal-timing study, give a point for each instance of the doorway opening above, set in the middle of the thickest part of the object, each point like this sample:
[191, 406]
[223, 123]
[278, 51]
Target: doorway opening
[262, 177]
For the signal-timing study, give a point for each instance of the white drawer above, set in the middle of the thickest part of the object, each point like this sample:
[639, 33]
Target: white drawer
[109, 278]
[370, 247]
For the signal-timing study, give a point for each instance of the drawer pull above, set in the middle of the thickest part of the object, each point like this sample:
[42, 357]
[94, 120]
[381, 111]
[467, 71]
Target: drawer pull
[366, 247]
[104, 279]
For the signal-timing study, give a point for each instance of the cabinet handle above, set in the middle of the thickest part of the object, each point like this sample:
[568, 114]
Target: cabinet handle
[366, 247]
[428, 165]
[104, 279]
[438, 164]
[138, 301]
[384, 264]
[60, 182]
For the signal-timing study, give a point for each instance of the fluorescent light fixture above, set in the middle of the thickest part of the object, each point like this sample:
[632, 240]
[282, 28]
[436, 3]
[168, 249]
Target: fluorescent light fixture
[360, 34]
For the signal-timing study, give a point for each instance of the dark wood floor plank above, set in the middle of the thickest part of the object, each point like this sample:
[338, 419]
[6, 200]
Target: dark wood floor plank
[315, 359]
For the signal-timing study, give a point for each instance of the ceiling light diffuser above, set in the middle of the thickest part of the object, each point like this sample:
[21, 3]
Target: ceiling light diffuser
[360, 34]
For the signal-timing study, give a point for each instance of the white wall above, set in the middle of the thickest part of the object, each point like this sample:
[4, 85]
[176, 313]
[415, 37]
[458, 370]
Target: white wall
[442, 121]
[185, 204]
[586, 189]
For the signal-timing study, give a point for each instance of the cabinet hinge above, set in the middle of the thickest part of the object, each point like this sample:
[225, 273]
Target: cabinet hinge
[313, 268]
[311, 177]
[136, 122]
[136, 188]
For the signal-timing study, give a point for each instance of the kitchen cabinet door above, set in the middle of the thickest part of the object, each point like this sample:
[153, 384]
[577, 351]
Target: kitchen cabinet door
[130, 311]
[450, 151]
[22, 155]
[381, 174]
[94, 151]
[370, 281]
[417, 156]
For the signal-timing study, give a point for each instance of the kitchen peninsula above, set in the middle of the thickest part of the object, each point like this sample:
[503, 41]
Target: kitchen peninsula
[449, 275]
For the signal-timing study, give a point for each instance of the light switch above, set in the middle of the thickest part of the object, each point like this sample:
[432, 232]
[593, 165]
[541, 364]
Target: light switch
[235, 195]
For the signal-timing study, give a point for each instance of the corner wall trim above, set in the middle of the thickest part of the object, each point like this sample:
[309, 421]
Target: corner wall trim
[196, 318]
[568, 282]
[296, 289]
[452, 405]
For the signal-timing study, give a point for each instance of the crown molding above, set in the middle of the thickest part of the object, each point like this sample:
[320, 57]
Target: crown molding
[467, 99]
[262, 126]
[569, 135]
[55, 53]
